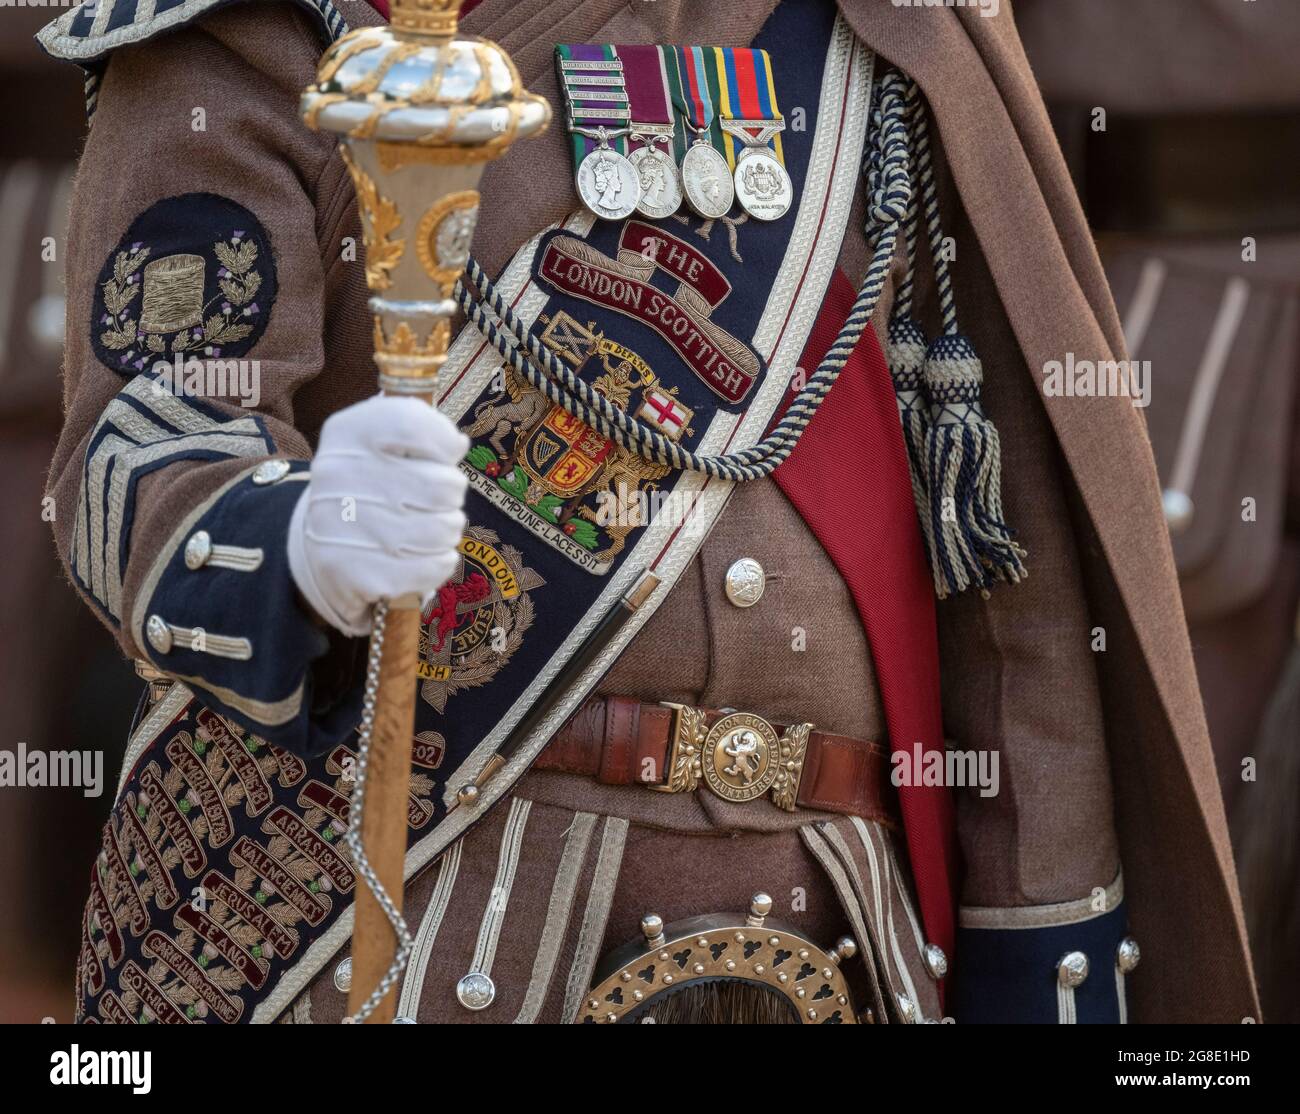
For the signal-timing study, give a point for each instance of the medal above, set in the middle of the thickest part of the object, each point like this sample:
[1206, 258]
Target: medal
[652, 130]
[763, 187]
[661, 183]
[592, 80]
[706, 180]
[752, 123]
[608, 182]
[654, 126]
[706, 176]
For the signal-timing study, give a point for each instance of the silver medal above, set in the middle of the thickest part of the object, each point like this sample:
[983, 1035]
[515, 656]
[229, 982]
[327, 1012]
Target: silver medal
[661, 184]
[763, 187]
[608, 184]
[706, 181]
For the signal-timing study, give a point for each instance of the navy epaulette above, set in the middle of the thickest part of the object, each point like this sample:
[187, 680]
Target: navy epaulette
[89, 33]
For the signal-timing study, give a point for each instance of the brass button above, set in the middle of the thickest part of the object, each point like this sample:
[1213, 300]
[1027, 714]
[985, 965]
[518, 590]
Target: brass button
[935, 961]
[745, 582]
[1127, 955]
[476, 991]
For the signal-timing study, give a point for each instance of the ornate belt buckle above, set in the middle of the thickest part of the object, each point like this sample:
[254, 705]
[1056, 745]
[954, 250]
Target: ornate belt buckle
[740, 757]
[688, 735]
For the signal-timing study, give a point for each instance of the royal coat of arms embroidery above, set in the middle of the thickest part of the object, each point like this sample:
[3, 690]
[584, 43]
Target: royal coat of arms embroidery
[569, 484]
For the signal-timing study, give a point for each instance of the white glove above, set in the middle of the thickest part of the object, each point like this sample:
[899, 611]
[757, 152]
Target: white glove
[382, 514]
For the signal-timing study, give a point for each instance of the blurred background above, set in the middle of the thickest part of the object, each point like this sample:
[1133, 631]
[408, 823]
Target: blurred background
[1180, 120]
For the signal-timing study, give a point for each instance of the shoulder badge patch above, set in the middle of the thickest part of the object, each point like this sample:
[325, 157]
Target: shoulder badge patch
[193, 277]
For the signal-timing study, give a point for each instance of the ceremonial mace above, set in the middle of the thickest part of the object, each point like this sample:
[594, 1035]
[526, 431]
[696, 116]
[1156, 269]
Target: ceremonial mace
[418, 110]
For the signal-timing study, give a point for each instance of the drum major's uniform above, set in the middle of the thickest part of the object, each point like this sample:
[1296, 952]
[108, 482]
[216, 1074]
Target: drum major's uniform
[703, 824]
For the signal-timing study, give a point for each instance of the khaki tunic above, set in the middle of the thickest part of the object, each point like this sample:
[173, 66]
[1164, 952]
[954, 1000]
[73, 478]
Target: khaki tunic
[1019, 676]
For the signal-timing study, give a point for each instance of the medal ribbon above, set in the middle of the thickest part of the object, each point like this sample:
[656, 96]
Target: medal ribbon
[704, 85]
[746, 91]
[579, 97]
[696, 93]
[646, 82]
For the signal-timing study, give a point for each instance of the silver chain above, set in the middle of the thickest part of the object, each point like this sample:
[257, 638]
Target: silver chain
[365, 735]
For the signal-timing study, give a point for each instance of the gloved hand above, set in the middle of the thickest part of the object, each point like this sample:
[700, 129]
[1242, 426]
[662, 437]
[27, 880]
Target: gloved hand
[382, 513]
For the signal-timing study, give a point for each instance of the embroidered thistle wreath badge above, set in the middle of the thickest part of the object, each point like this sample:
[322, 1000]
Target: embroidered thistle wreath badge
[194, 276]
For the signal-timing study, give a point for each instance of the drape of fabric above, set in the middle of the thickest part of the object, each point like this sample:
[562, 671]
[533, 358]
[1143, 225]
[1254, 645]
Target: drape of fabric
[1157, 55]
[1240, 580]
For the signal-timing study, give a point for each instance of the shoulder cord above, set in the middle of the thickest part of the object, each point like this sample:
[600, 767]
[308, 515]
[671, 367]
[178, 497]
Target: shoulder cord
[889, 190]
[912, 223]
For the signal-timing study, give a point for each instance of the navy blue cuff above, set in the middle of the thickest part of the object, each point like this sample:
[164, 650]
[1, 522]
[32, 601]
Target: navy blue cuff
[220, 611]
[1044, 965]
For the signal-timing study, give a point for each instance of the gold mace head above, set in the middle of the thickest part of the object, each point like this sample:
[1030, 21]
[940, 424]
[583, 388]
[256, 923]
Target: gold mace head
[419, 109]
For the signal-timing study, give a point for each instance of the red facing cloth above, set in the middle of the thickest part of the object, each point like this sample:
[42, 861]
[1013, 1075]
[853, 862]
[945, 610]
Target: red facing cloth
[848, 478]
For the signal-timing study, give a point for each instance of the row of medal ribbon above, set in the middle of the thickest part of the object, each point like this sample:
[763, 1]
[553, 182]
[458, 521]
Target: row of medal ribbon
[653, 126]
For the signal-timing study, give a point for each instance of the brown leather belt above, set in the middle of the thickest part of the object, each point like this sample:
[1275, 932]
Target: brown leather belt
[740, 756]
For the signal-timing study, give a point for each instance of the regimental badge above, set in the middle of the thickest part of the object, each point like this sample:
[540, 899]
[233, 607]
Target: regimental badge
[478, 619]
[551, 472]
[741, 757]
[683, 317]
[193, 278]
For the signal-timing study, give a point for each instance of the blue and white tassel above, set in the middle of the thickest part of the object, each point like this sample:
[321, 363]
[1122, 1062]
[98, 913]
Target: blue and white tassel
[970, 543]
[905, 347]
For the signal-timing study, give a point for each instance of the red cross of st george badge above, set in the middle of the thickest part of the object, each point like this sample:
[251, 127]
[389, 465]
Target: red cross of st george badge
[664, 412]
